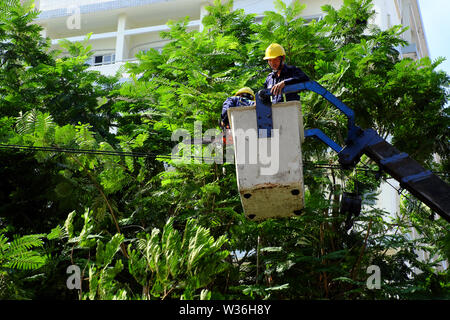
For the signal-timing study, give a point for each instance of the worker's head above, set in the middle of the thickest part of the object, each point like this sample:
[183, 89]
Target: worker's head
[246, 92]
[275, 56]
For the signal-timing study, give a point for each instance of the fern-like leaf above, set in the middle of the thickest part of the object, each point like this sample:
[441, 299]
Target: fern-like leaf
[20, 254]
[34, 122]
[26, 242]
[28, 260]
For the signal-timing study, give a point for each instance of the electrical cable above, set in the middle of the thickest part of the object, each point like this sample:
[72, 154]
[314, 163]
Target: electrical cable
[134, 154]
[316, 165]
[88, 151]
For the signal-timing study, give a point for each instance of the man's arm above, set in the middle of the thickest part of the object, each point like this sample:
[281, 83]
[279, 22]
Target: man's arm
[293, 75]
[230, 102]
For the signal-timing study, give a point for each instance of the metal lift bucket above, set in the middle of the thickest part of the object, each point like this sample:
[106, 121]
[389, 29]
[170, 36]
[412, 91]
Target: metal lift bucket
[269, 170]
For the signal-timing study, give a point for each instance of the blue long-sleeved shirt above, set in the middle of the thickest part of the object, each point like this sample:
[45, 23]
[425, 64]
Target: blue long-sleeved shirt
[290, 75]
[231, 102]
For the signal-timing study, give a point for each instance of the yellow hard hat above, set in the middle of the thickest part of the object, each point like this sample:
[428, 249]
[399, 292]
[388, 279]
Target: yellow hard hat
[273, 51]
[245, 90]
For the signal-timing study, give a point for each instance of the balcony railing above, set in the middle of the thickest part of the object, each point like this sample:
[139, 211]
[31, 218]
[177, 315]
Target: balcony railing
[46, 5]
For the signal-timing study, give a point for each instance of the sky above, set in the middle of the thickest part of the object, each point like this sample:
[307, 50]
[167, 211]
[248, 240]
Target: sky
[436, 23]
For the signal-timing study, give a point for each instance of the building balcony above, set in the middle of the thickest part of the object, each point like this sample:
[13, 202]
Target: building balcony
[101, 16]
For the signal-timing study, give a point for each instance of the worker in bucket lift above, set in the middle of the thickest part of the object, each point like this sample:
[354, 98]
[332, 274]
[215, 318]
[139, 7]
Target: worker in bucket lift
[244, 97]
[282, 74]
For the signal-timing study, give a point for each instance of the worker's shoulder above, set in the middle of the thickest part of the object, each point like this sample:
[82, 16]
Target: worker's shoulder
[232, 99]
[290, 67]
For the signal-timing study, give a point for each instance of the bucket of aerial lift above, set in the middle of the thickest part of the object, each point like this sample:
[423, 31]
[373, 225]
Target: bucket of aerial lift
[269, 171]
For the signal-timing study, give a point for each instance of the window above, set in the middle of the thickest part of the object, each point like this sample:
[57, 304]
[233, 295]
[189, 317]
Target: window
[100, 60]
[107, 59]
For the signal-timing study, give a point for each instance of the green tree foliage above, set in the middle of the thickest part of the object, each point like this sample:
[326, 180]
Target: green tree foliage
[19, 254]
[154, 228]
[166, 263]
[33, 78]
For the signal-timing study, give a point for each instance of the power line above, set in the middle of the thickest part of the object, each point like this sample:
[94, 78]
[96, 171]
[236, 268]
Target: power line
[316, 165]
[137, 154]
[119, 153]
[84, 151]
[133, 154]
[72, 150]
